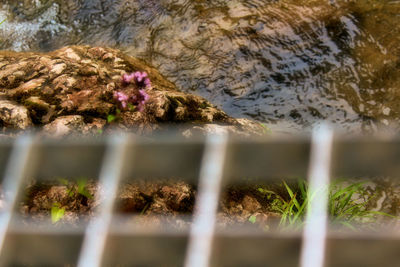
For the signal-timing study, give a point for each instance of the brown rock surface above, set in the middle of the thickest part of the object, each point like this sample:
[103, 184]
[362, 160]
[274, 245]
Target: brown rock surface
[250, 203]
[74, 86]
[14, 116]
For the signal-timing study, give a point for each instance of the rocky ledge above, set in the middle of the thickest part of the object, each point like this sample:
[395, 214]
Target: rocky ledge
[82, 88]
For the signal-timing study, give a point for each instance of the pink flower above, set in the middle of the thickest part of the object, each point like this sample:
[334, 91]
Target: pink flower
[147, 82]
[140, 99]
[122, 98]
[141, 79]
[139, 76]
[127, 78]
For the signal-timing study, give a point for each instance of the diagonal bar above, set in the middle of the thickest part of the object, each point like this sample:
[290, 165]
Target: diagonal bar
[16, 171]
[315, 229]
[211, 176]
[110, 176]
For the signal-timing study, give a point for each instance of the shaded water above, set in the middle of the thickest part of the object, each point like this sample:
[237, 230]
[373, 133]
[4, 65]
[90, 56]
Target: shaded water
[287, 63]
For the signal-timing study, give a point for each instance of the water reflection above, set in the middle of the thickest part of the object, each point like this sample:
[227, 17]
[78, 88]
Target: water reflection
[288, 63]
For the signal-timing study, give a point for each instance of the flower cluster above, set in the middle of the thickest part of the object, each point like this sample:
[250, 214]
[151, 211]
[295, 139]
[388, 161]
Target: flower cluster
[122, 98]
[140, 79]
[138, 97]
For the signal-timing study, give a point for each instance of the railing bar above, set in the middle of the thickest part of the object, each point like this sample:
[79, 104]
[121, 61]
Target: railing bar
[315, 229]
[16, 170]
[98, 229]
[211, 176]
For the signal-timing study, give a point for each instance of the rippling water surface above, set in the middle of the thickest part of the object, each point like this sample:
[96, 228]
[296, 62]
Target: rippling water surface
[287, 63]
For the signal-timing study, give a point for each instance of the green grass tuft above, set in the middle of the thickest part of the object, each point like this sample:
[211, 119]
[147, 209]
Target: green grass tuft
[347, 204]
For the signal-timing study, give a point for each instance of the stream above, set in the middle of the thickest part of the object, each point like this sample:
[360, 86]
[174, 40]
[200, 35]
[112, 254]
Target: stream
[289, 63]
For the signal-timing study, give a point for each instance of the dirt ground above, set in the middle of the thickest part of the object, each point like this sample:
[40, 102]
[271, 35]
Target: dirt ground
[147, 199]
[170, 200]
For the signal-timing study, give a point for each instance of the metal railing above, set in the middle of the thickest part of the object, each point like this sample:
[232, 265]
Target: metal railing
[211, 163]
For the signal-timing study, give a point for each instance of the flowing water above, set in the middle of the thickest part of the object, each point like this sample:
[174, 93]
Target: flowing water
[288, 63]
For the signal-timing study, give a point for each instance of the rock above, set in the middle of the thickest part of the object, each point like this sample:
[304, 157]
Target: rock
[250, 204]
[40, 110]
[14, 116]
[179, 197]
[159, 198]
[65, 125]
[37, 103]
[131, 199]
[95, 126]
[72, 89]
[28, 88]
[244, 128]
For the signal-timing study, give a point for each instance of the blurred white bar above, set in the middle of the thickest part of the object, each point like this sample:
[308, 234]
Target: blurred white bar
[315, 229]
[16, 170]
[110, 175]
[211, 176]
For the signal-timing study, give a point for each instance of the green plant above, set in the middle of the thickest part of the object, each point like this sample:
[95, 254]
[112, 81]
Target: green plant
[57, 212]
[293, 210]
[113, 117]
[82, 189]
[77, 188]
[347, 204]
[3, 21]
[116, 116]
[252, 219]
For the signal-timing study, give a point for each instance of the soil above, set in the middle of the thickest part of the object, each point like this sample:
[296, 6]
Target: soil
[159, 202]
[240, 203]
[41, 197]
[148, 199]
